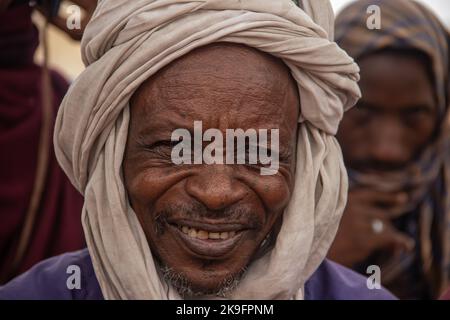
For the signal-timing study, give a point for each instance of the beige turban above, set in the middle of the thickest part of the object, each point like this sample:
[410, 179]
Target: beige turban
[127, 42]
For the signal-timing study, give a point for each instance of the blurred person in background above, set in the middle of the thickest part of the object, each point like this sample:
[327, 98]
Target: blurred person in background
[396, 149]
[39, 208]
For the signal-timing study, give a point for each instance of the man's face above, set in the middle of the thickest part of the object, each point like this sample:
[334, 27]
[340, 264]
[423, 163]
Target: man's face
[206, 222]
[395, 118]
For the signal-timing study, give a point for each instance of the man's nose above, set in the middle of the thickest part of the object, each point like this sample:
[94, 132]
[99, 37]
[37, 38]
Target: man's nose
[216, 187]
[388, 143]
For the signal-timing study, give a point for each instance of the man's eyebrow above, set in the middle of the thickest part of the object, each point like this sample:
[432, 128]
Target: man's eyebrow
[145, 138]
[148, 136]
[405, 107]
[418, 106]
[163, 124]
[367, 104]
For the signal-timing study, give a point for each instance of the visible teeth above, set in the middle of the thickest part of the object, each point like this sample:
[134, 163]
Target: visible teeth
[214, 235]
[192, 233]
[202, 234]
[224, 235]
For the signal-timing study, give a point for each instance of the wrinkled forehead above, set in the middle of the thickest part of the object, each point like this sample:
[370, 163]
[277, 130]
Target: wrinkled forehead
[221, 80]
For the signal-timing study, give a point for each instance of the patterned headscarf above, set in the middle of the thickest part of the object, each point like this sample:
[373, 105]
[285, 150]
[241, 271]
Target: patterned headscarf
[407, 25]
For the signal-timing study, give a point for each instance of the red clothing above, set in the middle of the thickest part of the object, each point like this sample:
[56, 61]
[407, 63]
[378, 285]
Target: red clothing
[446, 296]
[57, 227]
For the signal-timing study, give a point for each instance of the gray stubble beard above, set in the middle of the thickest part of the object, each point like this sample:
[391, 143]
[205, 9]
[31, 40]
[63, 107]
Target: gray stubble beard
[180, 282]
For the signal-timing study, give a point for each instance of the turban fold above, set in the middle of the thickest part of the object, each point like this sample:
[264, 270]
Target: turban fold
[127, 42]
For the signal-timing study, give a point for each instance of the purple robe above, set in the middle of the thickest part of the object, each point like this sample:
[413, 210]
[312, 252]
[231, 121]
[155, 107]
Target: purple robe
[48, 280]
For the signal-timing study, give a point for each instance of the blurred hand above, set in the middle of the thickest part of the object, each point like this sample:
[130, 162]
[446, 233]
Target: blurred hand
[366, 226]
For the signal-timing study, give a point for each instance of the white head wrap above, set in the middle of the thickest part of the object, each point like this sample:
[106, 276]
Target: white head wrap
[128, 41]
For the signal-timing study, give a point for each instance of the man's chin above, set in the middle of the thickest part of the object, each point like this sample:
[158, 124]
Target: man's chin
[201, 285]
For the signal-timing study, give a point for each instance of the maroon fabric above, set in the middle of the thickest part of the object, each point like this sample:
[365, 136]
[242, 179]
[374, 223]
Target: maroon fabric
[446, 296]
[57, 227]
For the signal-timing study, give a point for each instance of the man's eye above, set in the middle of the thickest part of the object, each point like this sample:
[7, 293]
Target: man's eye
[360, 114]
[415, 116]
[418, 111]
[161, 147]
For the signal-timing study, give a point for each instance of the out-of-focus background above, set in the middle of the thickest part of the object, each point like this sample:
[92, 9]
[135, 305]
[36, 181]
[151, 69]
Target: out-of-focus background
[441, 7]
[64, 53]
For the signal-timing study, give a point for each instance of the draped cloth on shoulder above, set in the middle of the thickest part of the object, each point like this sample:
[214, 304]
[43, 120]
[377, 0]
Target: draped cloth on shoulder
[128, 41]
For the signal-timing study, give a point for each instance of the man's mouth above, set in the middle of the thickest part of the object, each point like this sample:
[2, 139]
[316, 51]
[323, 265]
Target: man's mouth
[208, 241]
[204, 235]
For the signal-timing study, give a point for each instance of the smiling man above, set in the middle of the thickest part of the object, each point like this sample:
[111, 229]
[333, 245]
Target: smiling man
[206, 222]
[159, 229]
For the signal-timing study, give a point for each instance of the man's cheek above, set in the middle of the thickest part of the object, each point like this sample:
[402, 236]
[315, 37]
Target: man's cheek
[149, 184]
[274, 191]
